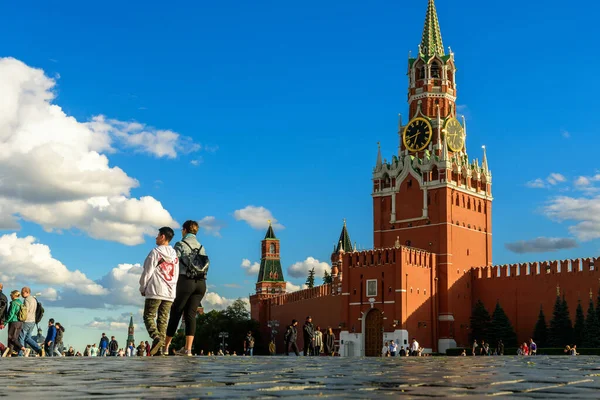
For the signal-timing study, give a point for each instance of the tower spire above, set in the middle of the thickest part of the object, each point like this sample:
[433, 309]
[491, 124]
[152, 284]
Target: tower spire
[431, 42]
[484, 164]
[379, 163]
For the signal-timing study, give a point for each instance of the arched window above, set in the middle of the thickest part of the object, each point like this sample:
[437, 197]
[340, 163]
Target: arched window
[421, 72]
[435, 70]
[272, 248]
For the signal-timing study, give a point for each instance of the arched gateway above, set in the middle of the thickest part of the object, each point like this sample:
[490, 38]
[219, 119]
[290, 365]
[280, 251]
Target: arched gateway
[373, 333]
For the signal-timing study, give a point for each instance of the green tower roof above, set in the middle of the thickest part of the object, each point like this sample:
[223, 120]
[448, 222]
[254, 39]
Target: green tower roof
[270, 233]
[344, 243]
[431, 42]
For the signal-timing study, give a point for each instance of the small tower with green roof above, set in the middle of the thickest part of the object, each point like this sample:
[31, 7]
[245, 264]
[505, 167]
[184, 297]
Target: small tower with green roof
[344, 245]
[130, 331]
[270, 276]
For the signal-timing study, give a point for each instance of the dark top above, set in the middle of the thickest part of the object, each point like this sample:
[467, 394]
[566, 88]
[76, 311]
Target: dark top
[113, 345]
[309, 330]
[291, 334]
[329, 343]
[51, 335]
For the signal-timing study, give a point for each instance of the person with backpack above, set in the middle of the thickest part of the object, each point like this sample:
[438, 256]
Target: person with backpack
[157, 284]
[191, 286]
[290, 336]
[16, 314]
[249, 344]
[31, 305]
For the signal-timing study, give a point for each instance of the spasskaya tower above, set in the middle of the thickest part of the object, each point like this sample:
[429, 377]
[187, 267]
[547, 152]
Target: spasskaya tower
[430, 196]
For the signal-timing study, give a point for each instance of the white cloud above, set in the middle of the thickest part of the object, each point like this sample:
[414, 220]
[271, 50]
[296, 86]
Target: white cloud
[250, 267]
[197, 161]
[232, 285]
[144, 139]
[211, 225]
[536, 184]
[257, 217]
[53, 170]
[541, 245]
[24, 260]
[300, 269]
[109, 323]
[583, 211]
[582, 181]
[555, 178]
[49, 294]
[213, 301]
[552, 180]
[290, 287]
[565, 134]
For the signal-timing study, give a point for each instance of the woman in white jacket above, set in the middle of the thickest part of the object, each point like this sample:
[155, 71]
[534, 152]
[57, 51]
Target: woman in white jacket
[158, 283]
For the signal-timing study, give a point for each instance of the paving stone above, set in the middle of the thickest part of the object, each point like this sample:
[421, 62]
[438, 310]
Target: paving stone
[291, 377]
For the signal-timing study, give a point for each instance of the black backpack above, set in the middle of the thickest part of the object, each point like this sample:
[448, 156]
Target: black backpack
[39, 312]
[196, 263]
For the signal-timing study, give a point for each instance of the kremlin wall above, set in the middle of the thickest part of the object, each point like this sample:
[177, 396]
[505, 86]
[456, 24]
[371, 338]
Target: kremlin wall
[432, 233]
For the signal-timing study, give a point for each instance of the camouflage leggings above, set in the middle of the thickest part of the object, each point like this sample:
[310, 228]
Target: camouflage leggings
[156, 317]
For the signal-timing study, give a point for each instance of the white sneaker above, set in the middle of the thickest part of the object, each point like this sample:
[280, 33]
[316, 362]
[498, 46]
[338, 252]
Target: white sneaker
[183, 352]
[27, 352]
[5, 354]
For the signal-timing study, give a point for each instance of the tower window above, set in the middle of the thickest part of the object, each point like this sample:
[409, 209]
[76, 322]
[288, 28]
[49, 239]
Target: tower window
[409, 184]
[421, 72]
[435, 70]
[272, 248]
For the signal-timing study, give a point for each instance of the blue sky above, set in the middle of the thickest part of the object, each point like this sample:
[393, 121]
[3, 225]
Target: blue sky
[287, 103]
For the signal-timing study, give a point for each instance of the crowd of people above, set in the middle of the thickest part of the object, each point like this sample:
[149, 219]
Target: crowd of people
[390, 349]
[315, 341]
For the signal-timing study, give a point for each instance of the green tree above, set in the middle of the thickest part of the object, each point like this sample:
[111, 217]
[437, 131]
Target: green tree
[480, 322]
[555, 336]
[592, 328]
[327, 277]
[310, 281]
[540, 333]
[580, 326]
[567, 324]
[561, 328]
[501, 328]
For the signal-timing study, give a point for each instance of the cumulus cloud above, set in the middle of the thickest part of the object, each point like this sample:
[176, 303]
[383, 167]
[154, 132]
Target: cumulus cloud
[55, 171]
[290, 287]
[211, 225]
[213, 301]
[552, 180]
[300, 269]
[26, 260]
[250, 267]
[109, 323]
[541, 245]
[257, 217]
[584, 212]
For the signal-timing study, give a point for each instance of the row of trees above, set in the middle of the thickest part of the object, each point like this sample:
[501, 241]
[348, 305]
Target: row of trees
[234, 320]
[559, 333]
[492, 328]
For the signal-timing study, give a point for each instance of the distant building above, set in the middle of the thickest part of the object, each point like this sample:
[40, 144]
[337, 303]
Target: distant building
[432, 233]
[130, 332]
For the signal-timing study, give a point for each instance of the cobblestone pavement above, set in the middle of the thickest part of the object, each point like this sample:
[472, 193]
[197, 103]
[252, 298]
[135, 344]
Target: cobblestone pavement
[274, 377]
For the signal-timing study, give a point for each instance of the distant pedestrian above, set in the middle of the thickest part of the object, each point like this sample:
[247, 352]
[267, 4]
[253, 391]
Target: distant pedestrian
[393, 349]
[414, 348]
[474, 347]
[318, 342]
[157, 285]
[113, 347]
[50, 338]
[272, 348]
[385, 350]
[329, 342]
[532, 347]
[290, 337]
[191, 285]
[402, 352]
[500, 348]
[309, 336]
[103, 345]
[59, 345]
[249, 344]
[3, 307]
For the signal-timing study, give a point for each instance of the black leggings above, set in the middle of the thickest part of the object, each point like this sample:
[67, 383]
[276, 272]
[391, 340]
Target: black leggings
[187, 300]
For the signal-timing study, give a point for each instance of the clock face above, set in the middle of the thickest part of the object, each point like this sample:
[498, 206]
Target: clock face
[417, 134]
[455, 135]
